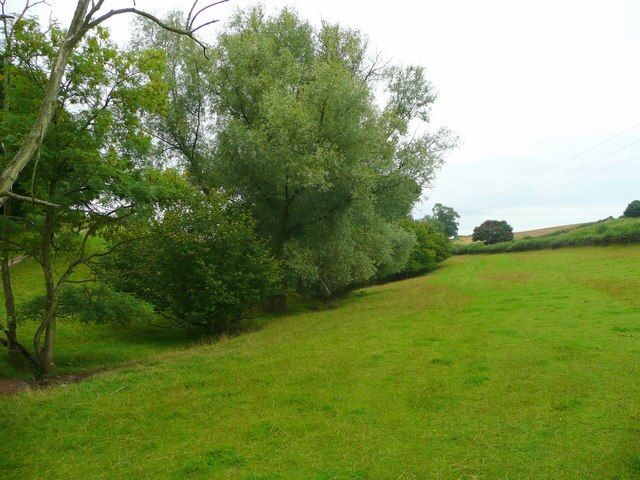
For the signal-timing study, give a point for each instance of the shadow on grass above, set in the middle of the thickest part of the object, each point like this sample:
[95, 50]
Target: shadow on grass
[90, 347]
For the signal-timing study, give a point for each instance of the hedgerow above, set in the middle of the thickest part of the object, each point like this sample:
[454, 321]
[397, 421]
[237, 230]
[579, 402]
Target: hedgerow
[609, 232]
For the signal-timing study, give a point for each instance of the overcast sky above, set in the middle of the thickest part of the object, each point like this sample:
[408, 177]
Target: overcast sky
[545, 96]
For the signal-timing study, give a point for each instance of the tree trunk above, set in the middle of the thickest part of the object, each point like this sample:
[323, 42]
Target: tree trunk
[15, 356]
[9, 302]
[45, 353]
[277, 304]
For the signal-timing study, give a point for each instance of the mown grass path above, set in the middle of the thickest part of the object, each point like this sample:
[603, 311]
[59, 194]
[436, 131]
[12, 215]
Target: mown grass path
[516, 366]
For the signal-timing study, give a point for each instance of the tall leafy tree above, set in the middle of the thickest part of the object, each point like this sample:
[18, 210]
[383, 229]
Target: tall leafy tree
[326, 170]
[183, 133]
[445, 219]
[90, 172]
[493, 231]
[88, 16]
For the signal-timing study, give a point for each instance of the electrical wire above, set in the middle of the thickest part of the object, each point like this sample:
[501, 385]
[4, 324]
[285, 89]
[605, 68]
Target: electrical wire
[571, 182]
[541, 174]
[552, 180]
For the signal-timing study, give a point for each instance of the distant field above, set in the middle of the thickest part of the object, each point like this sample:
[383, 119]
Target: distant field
[519, 366]
[466, 239]
[613, 231]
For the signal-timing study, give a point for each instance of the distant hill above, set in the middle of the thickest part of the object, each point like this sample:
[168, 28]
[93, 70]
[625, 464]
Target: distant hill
[540, 232]
[604, 232]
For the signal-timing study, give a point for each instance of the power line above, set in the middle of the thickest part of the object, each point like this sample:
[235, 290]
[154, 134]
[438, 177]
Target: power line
[570, 183]
[513, 187]
[552, 180]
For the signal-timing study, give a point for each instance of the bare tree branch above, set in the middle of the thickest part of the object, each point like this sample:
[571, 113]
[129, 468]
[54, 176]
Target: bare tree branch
[191, 20]
[188, 32]
[27, 199]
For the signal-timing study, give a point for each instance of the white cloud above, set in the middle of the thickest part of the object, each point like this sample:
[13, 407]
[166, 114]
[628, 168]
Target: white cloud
[525, 84]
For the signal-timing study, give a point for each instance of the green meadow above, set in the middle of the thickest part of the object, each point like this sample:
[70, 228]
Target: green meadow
[85, 347]
[614, 231]
[510, 366]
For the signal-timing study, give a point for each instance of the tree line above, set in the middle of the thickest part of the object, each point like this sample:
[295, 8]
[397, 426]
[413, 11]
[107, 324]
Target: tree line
[193, 185]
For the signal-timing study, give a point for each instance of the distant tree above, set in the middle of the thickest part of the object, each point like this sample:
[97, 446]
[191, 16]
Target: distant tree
[445, 219]
[633, 209]
[493, 231]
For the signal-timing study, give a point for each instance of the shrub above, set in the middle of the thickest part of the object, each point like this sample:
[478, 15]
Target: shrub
[431, 247]
[633, 209]
[493, 231]
[93, 303]
[199, 265]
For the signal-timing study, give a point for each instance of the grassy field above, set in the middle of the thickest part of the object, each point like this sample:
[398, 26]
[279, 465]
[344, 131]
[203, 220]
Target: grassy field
[514, 366]
[606, 232]
[86, 347]
[539, 232]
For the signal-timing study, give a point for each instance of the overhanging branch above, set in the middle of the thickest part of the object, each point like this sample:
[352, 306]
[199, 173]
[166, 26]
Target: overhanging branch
[28, 199]
[188, 31]
[82, 21]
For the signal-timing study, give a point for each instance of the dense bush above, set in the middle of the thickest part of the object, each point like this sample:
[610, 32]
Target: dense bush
[431, 247]
[493, 231]
[633, 209]
[608, 232]
[199, 265]
[92, 303]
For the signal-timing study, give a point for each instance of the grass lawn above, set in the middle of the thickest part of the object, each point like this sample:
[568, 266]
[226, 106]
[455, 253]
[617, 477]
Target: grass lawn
[511, 366]
[84, 347]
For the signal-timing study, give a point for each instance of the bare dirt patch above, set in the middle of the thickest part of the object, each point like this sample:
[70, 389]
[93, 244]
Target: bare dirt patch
[12, 386]
[15, 260]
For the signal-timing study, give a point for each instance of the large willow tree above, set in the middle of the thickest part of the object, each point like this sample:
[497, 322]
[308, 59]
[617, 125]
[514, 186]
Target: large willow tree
[302, 139]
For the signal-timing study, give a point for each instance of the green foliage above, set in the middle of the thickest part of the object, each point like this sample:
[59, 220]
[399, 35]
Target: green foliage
[403, 245]
[431, 247]
[493, 231]
[183, 131]
[93, 163]
[199, 263]
[446, 219]
[608, 232]
[326, 171]
[95, 303]
[633, 209]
